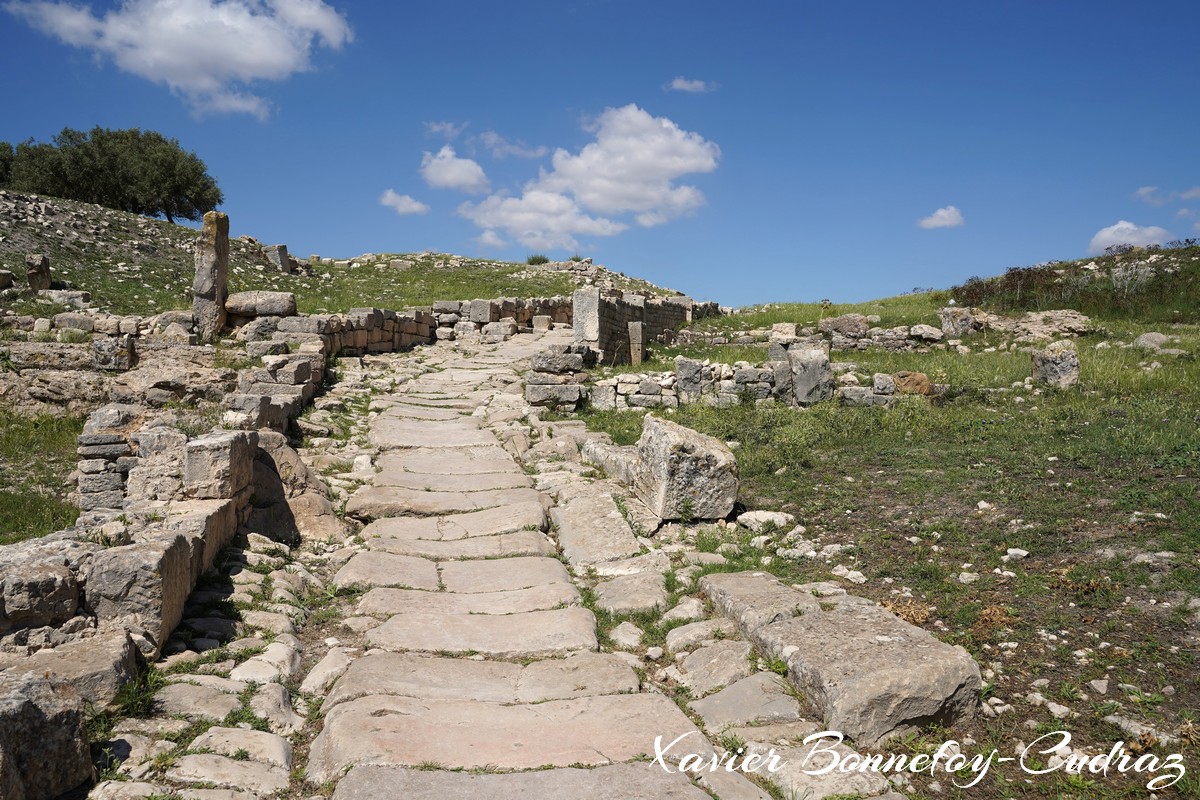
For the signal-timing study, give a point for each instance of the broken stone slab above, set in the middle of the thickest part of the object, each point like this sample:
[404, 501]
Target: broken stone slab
[872, 675]
[533, 634]
[96, 667]
[637, 781]
[404, 731]
[372, 569]
[591, 528]
[375, 502]
[207, 769]
[268, 748]
[761, 698]
[434, 678]
[273, 703]
[685, 637]
[529, 515]
[628, 594]
[500, 575]
[43, 738]
[389, 602]
[715, 666]
[38, 594]
[195, 702]
[682, 473]
[330, 668]
[37, 271]
[521, 543]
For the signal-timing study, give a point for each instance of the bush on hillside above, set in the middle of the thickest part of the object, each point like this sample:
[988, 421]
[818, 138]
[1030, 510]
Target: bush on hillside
[537, 258]
[142, 172]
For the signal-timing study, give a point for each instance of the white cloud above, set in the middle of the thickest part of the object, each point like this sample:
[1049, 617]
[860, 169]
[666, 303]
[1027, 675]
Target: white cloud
[446, 170]
[402, 203]
[631, 168]
[1149, 194]
[948, 217]
[501, 147]
[693, 86]
[1185, 212]
[490, 239]
[1190, 194]
[538, 219]
[1125, 232]
[449, 130]
[207, 51]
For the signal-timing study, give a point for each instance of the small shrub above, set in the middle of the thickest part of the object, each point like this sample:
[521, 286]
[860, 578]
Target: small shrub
[537, 258]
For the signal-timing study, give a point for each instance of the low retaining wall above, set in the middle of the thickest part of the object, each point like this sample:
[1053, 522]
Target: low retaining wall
[619, 326]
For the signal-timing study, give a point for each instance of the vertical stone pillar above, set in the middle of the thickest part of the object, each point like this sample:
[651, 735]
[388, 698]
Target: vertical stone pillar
[210, 288]
[586, 315]
[637, 344]
[37, 271]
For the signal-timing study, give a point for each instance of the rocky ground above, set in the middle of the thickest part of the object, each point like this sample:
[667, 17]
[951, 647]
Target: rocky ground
[501, 626]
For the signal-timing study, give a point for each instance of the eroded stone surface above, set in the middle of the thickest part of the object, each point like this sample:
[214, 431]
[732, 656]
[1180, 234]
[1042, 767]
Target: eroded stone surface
[535, 634]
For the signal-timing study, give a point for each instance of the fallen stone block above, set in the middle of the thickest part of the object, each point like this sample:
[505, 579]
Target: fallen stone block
[873, 675]
[261, 304]
[43, 738]
[219, 465]
[684, 473]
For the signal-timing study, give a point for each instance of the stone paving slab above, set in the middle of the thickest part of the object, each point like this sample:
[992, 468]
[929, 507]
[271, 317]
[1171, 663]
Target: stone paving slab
[533, 634]
[406, 411]
[521, 543]
[195, 702]
[388, 602]
[403, 731]
[871, 674]
[473, 482]
[435, 678]
[499, 575]
[373, 568]
[207, 769]
[799, 760]
[374, 502]
[591, 528]
[762, 697]
[509, 518]
[390, 432]
[436, 461]
[615, 782]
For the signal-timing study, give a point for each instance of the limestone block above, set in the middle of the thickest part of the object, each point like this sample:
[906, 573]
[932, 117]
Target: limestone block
[682, 472]
[219, 465]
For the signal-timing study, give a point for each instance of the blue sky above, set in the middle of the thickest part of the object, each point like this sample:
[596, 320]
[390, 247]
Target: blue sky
[764, 152]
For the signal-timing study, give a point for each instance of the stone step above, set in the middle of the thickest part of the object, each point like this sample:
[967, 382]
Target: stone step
[872, 675]
[433, 678]
[388, 602]
[432, 482]
[403, 731]
[373, 569]
[388, 433]
[532, 634]
[375, 502]
[528, 515]
[614, 782]
[407, 411]
[521, 543]
[437, 461]
[591, 528]
[504, 574]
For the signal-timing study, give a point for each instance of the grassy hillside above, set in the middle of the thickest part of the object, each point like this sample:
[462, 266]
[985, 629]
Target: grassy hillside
[136, 265]
[1146, 284]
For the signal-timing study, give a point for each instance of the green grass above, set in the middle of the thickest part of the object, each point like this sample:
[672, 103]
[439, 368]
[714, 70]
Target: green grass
[1128, 286]
[1065, 472]
[907, 309]
[156, 275]
[36, 455]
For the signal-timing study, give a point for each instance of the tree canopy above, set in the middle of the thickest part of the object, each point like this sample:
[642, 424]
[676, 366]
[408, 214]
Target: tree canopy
[142, 172]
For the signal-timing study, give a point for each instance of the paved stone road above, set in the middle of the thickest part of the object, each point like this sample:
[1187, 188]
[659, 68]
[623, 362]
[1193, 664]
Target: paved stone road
[485, 658]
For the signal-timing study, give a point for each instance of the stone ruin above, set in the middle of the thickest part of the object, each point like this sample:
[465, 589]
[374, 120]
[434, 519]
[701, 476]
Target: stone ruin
[464, 545]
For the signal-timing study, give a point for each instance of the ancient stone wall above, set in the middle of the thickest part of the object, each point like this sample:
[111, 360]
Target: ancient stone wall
[620, 326]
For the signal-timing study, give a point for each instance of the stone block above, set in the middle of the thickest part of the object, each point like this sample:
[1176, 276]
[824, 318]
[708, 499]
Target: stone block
[543, 394]
[261, 304]
[812, 376]
[43, 738]
[37, 595]
[557, 362]
[115, 352]
[219, 465]
[1057, 365]
[684, 473]
[37, 271]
